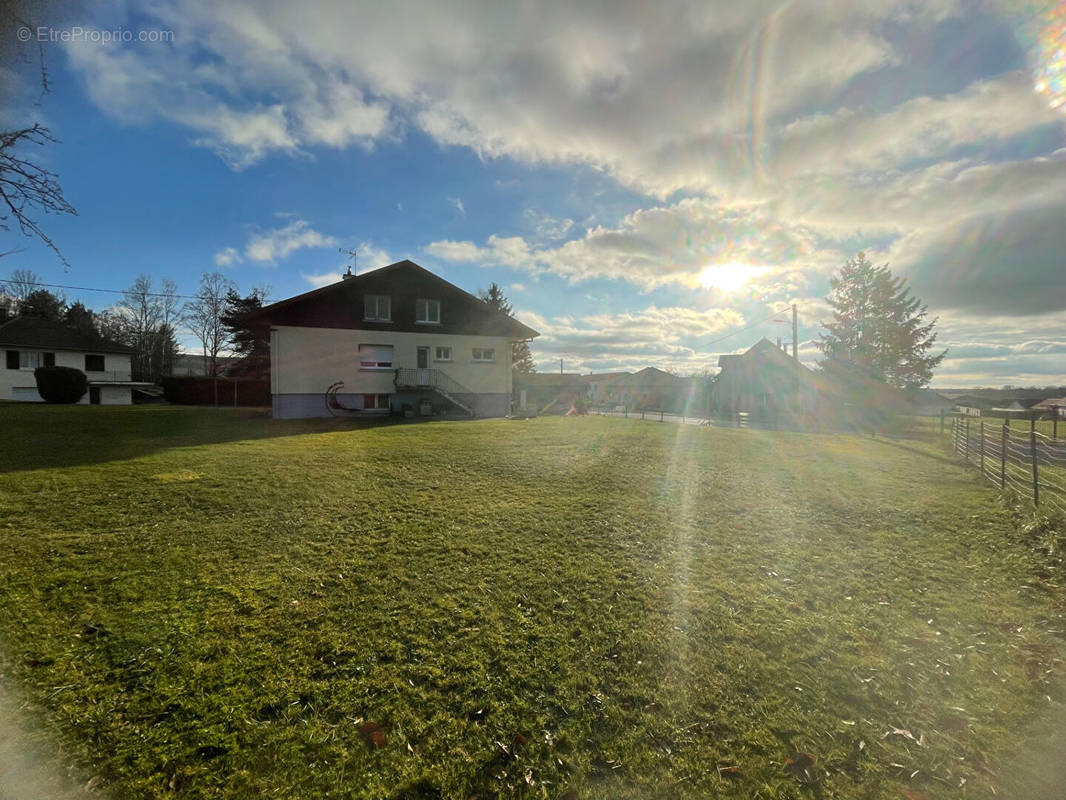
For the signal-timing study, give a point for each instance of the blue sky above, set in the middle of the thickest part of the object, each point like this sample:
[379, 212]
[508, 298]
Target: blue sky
[646, 181]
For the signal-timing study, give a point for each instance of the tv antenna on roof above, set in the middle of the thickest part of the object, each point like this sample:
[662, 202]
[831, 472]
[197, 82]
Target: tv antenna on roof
[352, 266]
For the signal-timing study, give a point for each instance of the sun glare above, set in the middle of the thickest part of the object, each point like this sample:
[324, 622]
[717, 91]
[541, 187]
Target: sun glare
[727, 277]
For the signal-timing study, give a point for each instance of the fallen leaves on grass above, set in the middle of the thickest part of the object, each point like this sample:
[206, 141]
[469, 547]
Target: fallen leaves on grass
[373, 734]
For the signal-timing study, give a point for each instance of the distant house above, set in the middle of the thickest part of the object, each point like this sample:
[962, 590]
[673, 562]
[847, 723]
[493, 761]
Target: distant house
[550, 392]
[599, 384]
[1055, 406]
[650, 388]
[396, 339]
[763, 380]
[30, 342]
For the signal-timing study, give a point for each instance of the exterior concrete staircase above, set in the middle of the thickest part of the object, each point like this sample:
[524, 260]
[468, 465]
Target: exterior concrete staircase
[435, 380]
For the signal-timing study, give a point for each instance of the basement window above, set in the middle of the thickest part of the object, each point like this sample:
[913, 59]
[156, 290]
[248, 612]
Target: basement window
[375, 356]
[375, 402]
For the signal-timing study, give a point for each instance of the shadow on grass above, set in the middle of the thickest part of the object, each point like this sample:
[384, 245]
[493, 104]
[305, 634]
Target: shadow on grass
[38, 436]
[910, 448]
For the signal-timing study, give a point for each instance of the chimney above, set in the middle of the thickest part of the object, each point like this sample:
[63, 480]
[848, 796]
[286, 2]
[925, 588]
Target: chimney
[347, 275]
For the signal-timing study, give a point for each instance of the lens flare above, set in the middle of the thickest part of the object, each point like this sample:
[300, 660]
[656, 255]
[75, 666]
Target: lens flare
[1050, 56]
[728, 277]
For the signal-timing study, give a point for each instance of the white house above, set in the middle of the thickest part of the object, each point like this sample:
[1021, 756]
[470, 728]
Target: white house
[398, 339]
[29, 342]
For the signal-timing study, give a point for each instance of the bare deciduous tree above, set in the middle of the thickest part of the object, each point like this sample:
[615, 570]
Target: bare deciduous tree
[142, 311]
[203, 316]
[20, 284]
[26, 187]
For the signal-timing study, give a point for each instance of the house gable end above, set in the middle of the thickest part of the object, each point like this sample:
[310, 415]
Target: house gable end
[343, 305]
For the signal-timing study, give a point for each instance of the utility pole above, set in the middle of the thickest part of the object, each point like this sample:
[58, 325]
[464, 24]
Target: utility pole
[795, 334]
[560, 366]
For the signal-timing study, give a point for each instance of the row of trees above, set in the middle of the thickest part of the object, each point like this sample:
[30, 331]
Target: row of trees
[149, 318]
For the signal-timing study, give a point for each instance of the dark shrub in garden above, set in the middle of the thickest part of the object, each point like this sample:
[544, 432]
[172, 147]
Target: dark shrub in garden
[61, 384]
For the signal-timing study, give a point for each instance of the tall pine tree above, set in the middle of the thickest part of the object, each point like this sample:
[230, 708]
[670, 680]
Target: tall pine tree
[521, 357]
[879, 329]
[250, 341]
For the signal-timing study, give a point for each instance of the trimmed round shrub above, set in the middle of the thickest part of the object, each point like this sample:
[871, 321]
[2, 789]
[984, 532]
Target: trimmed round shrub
[61, 384]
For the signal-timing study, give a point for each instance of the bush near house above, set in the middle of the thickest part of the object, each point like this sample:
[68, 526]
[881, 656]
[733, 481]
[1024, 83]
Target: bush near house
[197, 390]
[61, 384]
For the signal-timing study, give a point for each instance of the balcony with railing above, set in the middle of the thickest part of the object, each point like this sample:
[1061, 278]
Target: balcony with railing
[109, 376]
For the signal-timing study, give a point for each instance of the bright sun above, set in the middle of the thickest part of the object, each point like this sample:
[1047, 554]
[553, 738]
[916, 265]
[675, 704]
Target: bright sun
[727, 277]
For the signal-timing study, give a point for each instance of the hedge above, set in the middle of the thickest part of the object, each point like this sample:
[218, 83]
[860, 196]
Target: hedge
[61, 384]
[197, 390]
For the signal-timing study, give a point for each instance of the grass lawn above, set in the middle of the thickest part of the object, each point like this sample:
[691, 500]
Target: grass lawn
[204, 603]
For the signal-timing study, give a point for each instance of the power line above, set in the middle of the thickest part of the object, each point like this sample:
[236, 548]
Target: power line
[741, 330]
[112, 291]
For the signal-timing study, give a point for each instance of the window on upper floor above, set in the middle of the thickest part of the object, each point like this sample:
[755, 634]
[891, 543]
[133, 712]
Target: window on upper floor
[427, 311]
[94, 363]
[485, 354]
[375, 356]
[442, 354]
[377, 307]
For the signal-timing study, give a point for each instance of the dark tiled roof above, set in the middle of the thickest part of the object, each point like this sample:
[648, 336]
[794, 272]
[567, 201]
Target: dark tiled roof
[339, 305]
[43, 334]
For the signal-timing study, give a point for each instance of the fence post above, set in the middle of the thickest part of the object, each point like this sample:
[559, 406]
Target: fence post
[642, 413]
[1036, 480]
[966, 452]
[982, 449]
[941, 422]
[1003, 458]
[660, 416]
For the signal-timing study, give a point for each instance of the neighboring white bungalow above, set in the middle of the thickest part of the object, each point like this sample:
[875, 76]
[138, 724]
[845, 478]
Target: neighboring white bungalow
[29, 342]
[398, 339]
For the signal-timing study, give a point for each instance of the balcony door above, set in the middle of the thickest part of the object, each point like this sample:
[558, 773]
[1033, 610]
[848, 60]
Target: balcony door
[424, 376]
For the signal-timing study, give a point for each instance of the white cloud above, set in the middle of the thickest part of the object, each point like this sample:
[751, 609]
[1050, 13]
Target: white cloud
[661, 246]
[647, 91]
[668, 338]
[322, 278]
[368, 258]
[273, 245]
[457, 204]
[546, 227]
[852, 139]
[227, 256]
